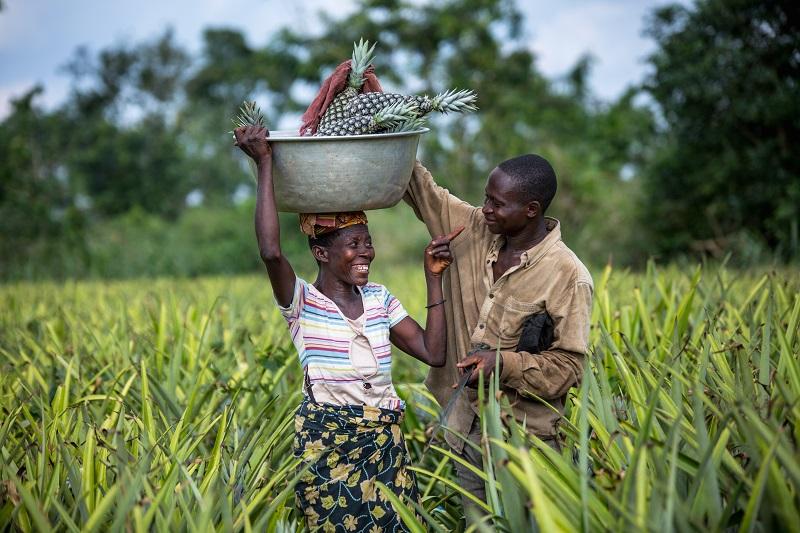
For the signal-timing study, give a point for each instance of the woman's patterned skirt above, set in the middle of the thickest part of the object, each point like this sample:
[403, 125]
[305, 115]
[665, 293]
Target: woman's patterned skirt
[347, 449]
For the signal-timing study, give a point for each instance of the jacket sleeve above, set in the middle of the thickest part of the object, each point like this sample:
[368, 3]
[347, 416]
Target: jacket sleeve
[551, 373]
[434, 205]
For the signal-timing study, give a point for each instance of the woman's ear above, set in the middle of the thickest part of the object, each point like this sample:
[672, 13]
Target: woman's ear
[320, 253]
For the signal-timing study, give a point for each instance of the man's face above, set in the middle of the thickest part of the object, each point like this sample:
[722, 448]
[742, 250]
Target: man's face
[505, 212]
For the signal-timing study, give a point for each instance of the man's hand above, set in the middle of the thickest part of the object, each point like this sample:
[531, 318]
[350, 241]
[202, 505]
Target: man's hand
[437, 253]
[253, 141]
[483, 362]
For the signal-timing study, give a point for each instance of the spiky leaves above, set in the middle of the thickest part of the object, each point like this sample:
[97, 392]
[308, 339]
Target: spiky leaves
[249, 115]
[410, 124]
[362, 56]
[451, 101]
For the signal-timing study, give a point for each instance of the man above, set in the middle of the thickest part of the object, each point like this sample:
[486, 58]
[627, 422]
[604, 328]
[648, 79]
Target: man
[510, 264]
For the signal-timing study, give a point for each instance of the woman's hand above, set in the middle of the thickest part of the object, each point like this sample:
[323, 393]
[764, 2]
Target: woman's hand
[430, 344]
[437, 254]
[253, 141]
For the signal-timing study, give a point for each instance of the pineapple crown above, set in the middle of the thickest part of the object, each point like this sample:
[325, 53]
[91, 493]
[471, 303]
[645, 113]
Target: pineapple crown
[249, 115]
[456, 101]
[363, 55]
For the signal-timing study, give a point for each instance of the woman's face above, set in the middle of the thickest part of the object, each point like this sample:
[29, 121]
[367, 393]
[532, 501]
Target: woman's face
[350, 254]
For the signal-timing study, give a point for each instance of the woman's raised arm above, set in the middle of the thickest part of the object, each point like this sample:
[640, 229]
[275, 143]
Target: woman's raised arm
[253, 141]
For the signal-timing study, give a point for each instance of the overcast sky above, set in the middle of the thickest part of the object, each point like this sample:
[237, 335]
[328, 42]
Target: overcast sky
[37, 37]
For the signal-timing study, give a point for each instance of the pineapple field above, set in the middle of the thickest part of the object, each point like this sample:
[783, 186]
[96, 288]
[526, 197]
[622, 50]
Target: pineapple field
[167, 405]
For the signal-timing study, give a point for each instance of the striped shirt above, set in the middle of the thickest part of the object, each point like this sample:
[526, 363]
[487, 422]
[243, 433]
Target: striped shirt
[324, 339]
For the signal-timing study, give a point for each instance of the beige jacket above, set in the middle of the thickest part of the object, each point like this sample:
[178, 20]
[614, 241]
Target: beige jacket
[481, 310]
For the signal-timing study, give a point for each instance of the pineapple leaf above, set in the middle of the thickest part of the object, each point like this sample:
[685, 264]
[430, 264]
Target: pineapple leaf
[249, 115]
[456, 101]
[412, 124]
[363, 55]
[400, 110]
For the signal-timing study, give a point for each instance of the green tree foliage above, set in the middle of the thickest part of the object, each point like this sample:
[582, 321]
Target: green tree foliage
[478, 44]
[37, 209]
[123, 150]
[726, 76]
[145, 125]
[141, 130]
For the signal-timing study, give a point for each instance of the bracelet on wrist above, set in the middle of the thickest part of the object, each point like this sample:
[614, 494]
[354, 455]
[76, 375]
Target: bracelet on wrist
[434, 305]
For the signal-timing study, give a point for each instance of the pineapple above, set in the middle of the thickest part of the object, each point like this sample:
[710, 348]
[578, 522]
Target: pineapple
[362, 57]
[399, 116]
[456, 101]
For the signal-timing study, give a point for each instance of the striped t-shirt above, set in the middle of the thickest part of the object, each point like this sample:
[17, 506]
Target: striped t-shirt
[323, 338]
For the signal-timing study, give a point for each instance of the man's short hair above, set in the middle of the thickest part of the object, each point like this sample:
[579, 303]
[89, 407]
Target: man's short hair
[535, 178]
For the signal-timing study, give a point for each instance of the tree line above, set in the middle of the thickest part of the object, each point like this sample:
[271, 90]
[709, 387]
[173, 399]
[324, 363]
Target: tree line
[134, 173]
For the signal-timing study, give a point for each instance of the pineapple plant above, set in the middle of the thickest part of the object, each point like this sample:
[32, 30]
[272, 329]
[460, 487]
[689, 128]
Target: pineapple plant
[360, 60]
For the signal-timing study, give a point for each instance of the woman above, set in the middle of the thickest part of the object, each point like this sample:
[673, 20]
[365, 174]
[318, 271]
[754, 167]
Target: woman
[348, 425]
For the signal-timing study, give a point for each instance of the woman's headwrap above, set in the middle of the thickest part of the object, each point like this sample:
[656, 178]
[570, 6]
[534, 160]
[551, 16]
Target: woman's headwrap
[333, 85]
[317, 224]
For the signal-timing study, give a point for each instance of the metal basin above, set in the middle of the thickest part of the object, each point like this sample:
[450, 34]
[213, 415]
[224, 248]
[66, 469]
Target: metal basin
[349, 173]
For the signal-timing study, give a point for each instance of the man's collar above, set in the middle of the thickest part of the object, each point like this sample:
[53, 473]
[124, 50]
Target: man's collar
[534, 254]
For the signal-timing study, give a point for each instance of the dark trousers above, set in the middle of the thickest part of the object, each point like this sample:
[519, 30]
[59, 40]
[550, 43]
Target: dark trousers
[470, 481]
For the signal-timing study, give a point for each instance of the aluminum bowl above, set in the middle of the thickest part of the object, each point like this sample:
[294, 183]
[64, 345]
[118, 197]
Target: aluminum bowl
[348, 173]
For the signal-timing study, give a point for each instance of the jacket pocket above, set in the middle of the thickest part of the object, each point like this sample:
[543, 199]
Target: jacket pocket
[512, 318]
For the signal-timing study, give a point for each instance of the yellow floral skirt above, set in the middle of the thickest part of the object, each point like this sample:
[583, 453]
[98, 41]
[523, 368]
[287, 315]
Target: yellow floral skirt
[347, 449]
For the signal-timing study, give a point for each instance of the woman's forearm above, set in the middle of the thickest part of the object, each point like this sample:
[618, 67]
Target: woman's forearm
[253, 142]
[268, 230]
[435, 336]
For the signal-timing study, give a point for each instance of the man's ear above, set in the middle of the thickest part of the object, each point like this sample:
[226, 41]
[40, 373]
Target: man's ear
[320, 253]
[534, 209]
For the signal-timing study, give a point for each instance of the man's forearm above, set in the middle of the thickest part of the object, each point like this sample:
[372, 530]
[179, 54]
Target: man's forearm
[547, 375]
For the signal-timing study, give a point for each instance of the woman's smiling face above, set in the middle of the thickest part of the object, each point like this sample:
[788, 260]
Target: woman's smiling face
[350, 254]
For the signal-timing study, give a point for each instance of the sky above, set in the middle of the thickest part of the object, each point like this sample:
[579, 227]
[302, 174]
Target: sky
[37, 37]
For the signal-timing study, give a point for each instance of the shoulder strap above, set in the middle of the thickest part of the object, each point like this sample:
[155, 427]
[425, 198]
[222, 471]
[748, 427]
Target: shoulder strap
[307, 384]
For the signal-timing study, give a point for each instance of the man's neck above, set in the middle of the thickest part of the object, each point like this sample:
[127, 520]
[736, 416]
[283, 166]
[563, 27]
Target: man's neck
[530, 236]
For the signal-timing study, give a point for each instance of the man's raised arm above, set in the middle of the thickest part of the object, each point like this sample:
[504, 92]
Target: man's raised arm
[434, 205]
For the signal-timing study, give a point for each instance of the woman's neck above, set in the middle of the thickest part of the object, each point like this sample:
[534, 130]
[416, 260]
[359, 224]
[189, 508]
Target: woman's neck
[336, 289]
